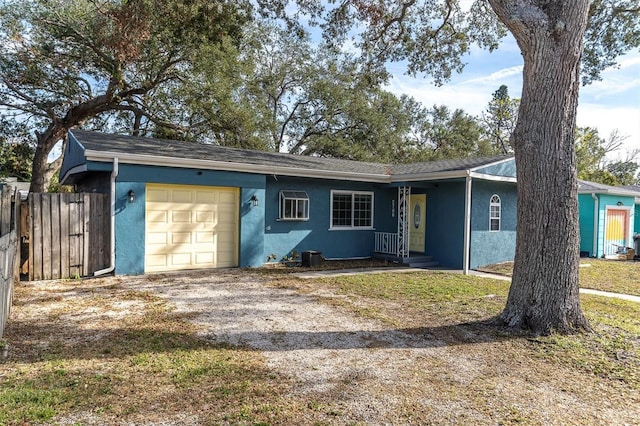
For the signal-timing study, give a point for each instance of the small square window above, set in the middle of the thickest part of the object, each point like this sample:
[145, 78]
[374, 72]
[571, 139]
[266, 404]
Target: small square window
[294, 205]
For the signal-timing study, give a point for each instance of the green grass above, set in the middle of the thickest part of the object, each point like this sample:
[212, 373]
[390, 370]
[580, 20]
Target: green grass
[612, 351]
[598, 274]
[150, 366]
[452, 297]
[145, 366]
[611, 275]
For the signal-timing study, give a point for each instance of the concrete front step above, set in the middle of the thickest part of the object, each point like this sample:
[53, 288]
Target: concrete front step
[413, 261]
[424, 264]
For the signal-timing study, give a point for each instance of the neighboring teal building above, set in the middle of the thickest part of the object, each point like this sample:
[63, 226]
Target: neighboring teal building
[177, 205]
[609, 217]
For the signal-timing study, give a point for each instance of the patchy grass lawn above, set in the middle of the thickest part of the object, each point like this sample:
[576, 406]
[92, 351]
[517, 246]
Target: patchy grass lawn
[598, 274]
[90, 353]
[96, 352]
[441, 299]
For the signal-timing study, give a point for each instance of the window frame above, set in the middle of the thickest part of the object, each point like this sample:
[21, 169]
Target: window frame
[283, 197]
[353, 195]
[495, 201]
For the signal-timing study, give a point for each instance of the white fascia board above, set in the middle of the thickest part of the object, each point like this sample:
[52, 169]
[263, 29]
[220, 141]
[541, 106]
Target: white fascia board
[72, 171]
[620, 192]
[151, 160]
[496, 178]
[504, 160]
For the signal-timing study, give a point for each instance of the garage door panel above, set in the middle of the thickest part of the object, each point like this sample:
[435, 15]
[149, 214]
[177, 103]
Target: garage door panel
[205, 217]
[191, 227]
[204, 258]
[157, 195]
[182, 196]
[181, 259]
[180, 216]
[156, 261]
[180, 238]
[205, 237]
[203, 197]
[157, 238]
[157, 216]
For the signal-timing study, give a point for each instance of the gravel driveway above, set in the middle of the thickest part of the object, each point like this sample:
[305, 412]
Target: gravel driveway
[323, 348]
[373, 370]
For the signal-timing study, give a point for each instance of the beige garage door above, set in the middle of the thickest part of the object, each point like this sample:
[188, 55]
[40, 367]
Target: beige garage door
[189, 227]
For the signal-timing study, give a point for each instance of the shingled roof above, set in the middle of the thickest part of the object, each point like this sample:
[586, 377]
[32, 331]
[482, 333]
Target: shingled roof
[95, 143]
[585, 187]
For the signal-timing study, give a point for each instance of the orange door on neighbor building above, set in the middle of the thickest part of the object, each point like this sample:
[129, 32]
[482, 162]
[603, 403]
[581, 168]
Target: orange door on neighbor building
[616, 230]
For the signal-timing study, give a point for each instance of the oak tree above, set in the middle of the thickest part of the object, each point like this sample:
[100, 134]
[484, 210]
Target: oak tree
[69, 61]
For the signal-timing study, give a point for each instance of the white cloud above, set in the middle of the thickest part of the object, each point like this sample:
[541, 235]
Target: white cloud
[609, 118]
[498, 77]
[610, 104]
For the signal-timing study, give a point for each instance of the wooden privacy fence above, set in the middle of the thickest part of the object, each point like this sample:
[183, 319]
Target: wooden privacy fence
[69, 235]
[5, 209]
[8, 255]
[8, 250]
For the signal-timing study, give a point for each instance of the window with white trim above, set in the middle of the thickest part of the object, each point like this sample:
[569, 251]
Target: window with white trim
[294, 205]
[351, 209]
[494, 213]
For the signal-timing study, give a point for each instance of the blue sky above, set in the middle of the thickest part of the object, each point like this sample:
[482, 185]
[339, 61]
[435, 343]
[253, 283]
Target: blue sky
[613, 103]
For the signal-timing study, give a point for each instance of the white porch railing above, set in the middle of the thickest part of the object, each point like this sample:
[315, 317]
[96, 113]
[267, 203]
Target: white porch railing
[386, 242]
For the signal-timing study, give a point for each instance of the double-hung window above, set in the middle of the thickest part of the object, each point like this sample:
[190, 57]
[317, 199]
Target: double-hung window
[294, 205]
[351, 209]
[494, 213]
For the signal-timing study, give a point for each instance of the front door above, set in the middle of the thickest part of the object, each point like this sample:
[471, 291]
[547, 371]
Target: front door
[417, 223]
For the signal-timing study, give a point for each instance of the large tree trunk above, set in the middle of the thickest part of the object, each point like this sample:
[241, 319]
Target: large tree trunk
[40, 172]
[544, 290]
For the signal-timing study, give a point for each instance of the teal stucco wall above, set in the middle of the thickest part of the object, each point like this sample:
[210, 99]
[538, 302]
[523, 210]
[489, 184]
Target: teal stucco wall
[445, 223]
[130, 217]
[586, 220]
[487, 247]
[281, 237]
[586, 217]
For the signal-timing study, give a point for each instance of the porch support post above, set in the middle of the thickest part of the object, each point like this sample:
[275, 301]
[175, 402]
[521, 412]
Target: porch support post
[467, 226]
[404, 193]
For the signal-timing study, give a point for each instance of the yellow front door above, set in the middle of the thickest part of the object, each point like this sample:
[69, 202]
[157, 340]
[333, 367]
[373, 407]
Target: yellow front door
[417, 224]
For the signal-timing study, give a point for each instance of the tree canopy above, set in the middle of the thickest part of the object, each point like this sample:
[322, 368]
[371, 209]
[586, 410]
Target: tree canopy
[69, 61]
[593, 164]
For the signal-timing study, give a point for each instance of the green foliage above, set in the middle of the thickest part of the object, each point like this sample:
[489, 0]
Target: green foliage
[16, 151]
[591, 162]
[450, 134]
[69, 62]
[431, 37]
[499, 120]
[624, 172]
[614, 28]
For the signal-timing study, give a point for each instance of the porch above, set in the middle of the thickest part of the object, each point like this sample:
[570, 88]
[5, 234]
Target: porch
[388, 248]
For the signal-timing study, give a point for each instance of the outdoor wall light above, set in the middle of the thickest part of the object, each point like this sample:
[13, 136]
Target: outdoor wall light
[254, 200]
[619, 203]
[131, 195]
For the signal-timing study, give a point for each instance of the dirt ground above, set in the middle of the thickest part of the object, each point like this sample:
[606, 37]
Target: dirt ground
[375, 373]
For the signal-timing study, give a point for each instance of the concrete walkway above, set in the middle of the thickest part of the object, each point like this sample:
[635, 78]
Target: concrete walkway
[348, 272]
